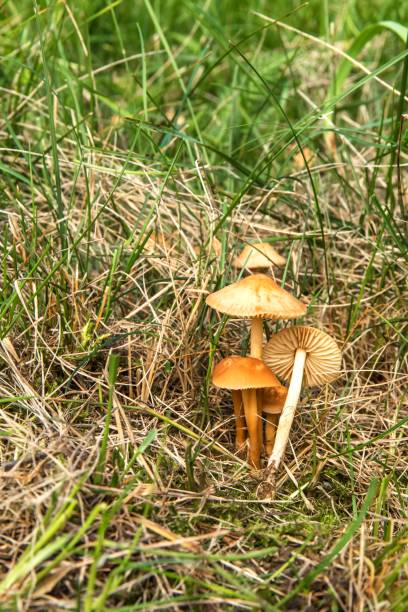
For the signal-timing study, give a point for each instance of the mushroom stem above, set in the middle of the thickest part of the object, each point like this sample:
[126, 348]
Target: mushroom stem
[288, 412]
[259, 403]
[256, 337]
[252, 421]
[240, 426]
[271, 425]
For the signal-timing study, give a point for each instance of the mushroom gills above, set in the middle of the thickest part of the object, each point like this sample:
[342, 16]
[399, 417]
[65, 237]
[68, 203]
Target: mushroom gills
[307, 356]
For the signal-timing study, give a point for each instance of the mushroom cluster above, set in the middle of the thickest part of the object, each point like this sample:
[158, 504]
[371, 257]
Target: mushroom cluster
[299, 355]
[244, 376]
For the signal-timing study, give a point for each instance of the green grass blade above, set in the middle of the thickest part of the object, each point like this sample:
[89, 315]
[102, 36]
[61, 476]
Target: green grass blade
[365, 36]
[338, 547]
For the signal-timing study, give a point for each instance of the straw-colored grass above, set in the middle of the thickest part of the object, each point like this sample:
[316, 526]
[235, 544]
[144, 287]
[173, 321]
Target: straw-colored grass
[120, 486]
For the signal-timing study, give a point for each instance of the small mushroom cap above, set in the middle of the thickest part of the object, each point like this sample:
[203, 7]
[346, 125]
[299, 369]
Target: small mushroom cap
[323, 356]
[243, 373]
[258, 256]
[273, 399]
[256, 296]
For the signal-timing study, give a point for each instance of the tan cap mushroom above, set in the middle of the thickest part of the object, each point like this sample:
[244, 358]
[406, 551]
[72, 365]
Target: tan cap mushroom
[258, 256]
[246, 374]
[243, 373]
[274, 399]
[256, 297]
[298, 353]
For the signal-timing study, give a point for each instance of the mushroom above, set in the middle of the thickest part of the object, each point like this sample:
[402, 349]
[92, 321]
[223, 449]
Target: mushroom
[299, 353]
[246, 374]
[256, 297]
[273, 402]
[240, 423]
[258, 256]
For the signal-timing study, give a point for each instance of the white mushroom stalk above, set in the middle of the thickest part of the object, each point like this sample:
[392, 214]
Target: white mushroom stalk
[302, 355]
[288, 412]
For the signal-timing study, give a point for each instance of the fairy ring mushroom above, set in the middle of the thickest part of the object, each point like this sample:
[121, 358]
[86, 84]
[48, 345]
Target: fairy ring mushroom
[256, 297]
[299, 354]
[246, 375]
[258, 256]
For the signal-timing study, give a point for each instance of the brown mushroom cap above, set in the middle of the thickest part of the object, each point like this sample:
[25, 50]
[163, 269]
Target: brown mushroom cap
[323, 356]
[273, 399]
[257, 256]
[256, 296]
[243, 373]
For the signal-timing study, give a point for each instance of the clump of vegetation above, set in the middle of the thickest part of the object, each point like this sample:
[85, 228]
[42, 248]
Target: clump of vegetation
[143, 145]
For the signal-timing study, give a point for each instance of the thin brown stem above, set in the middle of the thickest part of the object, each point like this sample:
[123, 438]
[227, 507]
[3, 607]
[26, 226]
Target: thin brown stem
[252, 421]
[240, 425]
[256, 337]
[259, 404]
[271, 425]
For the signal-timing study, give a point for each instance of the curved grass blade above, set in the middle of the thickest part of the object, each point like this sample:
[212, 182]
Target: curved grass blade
[357, 46]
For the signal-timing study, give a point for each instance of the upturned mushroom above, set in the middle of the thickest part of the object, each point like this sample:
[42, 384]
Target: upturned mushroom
[258, 256]
[256, 297]
[299, 354]
[272, 405]
[246, 375]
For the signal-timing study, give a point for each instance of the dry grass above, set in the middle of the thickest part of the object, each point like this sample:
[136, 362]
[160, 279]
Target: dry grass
[120, 488]
[187, 495]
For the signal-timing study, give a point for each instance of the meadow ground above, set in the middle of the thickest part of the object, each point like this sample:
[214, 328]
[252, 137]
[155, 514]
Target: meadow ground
[142, 145]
